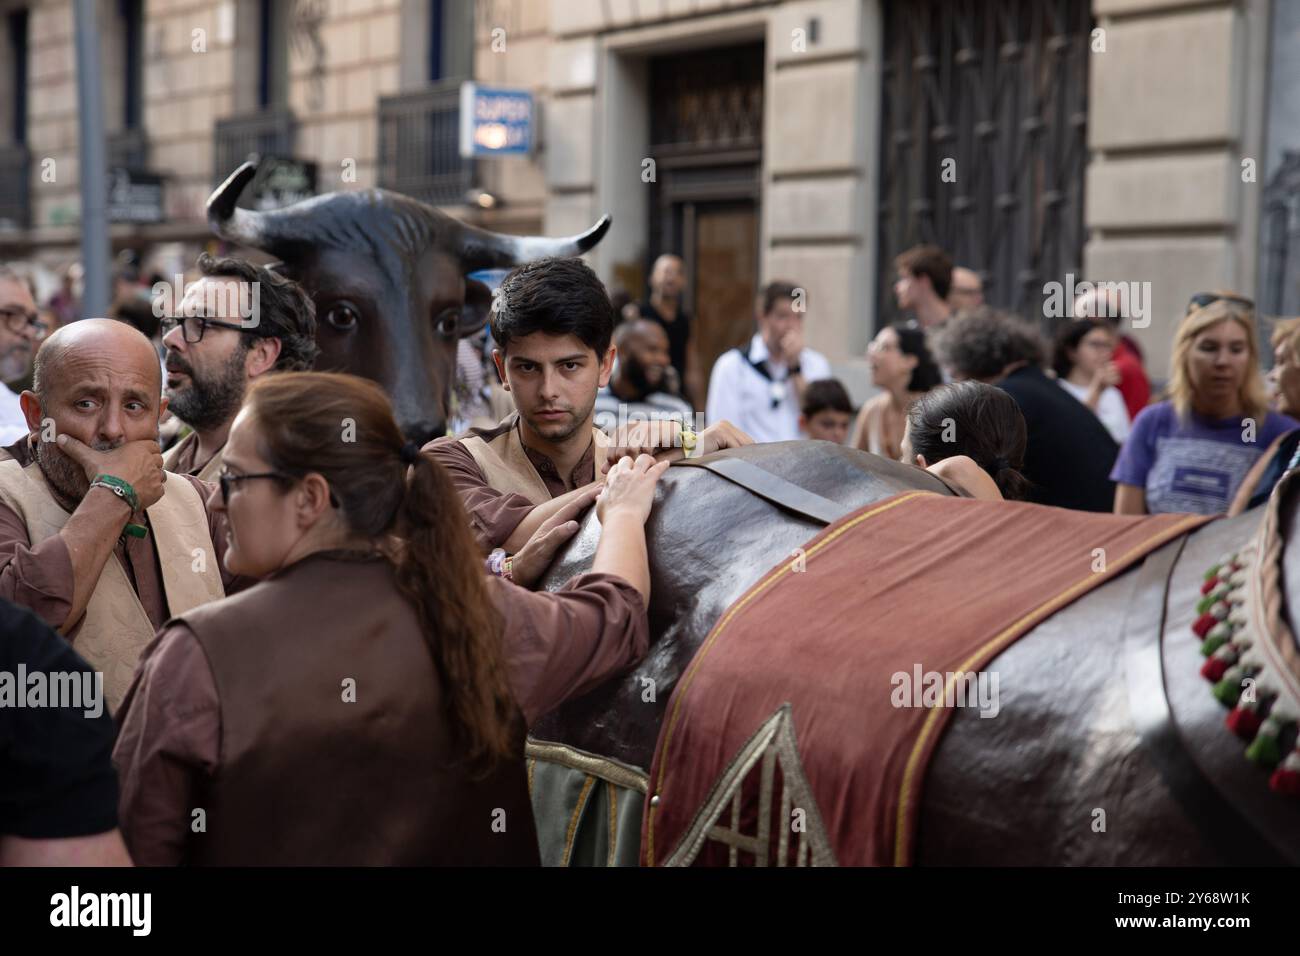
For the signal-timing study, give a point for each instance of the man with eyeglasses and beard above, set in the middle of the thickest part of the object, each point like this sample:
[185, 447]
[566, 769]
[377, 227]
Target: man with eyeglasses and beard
[20, 330]
[235, 324]
[95, 539]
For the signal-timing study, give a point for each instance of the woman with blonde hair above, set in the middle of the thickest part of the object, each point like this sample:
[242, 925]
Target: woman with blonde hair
[1192, 451]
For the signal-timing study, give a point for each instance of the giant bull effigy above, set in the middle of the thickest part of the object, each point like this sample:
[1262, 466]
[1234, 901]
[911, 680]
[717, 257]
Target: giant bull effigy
[389, 276]
[848, 663]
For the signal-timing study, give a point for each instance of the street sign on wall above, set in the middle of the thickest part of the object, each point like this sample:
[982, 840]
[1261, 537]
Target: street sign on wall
[495, 121]
[134, 197]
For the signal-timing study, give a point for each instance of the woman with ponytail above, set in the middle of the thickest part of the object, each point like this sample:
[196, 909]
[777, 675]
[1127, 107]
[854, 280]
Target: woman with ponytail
[366, 702]
[972, 435]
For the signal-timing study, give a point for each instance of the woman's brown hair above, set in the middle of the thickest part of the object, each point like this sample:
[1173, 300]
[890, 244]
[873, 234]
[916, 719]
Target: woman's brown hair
[977, 420]
[342, 428]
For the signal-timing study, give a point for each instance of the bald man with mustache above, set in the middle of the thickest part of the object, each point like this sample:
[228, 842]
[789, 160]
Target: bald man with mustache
[95, 538]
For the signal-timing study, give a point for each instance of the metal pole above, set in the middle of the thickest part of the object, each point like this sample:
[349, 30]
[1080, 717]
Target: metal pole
[94, 174]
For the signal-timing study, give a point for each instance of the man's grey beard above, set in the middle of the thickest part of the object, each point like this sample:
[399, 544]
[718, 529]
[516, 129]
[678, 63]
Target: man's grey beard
[64, 475]
[15, 363]
[210, 403]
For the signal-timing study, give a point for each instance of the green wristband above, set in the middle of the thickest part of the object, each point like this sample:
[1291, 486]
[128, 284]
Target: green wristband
[120, 488]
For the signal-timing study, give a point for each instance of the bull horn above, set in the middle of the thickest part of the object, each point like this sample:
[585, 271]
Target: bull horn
[481, 249]
[268, 231]
[226, 219]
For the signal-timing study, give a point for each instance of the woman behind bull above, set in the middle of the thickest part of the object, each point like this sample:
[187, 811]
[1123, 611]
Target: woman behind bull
[971, 435]
[359, 705]
[1192, 452]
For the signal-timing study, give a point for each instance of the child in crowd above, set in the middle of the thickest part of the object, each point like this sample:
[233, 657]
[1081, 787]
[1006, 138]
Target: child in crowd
[826, 411]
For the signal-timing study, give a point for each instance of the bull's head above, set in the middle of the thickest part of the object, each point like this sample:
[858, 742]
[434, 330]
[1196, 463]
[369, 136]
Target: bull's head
[387, 274]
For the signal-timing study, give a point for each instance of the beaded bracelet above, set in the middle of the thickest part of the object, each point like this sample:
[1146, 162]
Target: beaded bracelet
[123, 490]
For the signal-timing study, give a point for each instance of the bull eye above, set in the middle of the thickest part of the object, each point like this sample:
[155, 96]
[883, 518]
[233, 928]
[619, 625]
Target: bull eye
[342, 317]
[448, 323]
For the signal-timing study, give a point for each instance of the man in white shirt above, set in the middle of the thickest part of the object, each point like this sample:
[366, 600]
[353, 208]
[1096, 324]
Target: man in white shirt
[759, 388]
[20, 329]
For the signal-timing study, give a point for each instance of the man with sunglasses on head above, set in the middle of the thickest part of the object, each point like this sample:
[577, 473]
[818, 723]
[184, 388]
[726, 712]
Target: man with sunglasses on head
[95, 538]
[235, 324]
[20, 330]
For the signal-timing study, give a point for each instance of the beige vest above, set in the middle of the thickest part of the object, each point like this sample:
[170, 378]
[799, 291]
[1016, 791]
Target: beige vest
[506, 467]
[115, 628]
[208, 472]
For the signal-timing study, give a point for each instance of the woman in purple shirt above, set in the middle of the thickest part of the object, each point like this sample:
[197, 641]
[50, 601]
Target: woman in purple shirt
[1191, 452]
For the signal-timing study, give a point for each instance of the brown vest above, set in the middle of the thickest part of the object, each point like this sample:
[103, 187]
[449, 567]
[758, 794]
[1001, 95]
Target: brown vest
[208, 472]
[505, 464]
[309, 778]
[116, 628]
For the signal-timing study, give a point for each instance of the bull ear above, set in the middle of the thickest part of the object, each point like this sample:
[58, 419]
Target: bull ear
[478, 307]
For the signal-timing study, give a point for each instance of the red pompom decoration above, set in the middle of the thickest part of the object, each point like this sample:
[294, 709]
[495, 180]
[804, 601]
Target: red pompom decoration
[1203, 624]
[1244, 722]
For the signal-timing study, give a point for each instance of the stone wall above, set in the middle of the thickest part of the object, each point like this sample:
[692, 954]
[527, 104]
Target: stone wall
[1175, 106]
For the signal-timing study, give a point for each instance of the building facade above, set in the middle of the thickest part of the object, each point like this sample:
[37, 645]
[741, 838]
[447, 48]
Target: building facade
[1140, 141]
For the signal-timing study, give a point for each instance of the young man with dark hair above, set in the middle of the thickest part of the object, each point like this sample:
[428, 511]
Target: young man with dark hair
[760, 386]
[214, 352]
[552, 322]
[924, 281]
[827, 411]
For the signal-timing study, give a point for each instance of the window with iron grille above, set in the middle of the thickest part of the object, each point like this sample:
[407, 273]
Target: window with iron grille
[14, 159]
[419, 130]
[1000, 88]
[1279, 236]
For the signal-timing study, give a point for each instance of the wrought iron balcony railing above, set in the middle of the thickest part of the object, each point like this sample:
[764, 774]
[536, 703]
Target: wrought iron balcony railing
[419, 145]
[128, 149]
[242, 138]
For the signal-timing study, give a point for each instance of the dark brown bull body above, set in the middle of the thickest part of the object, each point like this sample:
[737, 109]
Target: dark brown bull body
[387, 274]
[1020, 789]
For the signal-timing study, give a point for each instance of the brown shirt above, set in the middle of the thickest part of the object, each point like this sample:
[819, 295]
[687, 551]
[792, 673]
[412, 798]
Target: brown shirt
[40, 578]
[493, 514]
[558, 645]
[187, 452]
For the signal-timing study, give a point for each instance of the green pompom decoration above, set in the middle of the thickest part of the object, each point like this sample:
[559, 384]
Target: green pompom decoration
[1264, 750]
[1212, 572]
[1228, 690]
[1212, 643]
[1204, 604]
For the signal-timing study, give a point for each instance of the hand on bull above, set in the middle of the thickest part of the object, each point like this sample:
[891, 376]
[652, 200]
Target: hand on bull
[663, 439]
[630, 489]
[138, 463]
[623, 507]
[531, 561]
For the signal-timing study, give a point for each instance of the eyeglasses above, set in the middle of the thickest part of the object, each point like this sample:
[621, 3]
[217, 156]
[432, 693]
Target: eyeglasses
[193, 326]
[1201, 299]
[20, 320]
[226, 479]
